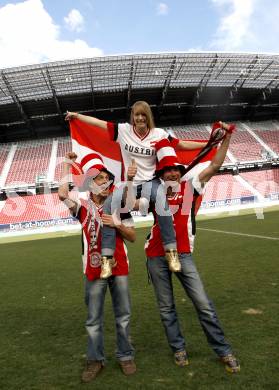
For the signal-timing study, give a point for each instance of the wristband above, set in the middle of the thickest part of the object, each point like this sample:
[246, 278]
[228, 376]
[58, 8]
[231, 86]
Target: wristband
[231, 129]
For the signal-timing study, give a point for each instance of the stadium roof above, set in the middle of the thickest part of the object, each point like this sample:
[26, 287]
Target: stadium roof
[179, 86]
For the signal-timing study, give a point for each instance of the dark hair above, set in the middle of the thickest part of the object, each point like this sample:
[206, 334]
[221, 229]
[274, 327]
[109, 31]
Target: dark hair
[181, 169]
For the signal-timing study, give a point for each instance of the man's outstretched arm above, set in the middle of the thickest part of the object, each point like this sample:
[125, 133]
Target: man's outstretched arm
[219, 158]
[63, 190]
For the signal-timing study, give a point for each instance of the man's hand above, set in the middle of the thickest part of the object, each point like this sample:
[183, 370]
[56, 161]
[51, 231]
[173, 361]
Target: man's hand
[71, 115]
[229, 128]
[132, 170]
[110, 220]
[70, 157]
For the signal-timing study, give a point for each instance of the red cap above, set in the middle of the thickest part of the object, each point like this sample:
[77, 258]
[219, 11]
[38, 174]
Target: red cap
[166, 157]
[89, 167]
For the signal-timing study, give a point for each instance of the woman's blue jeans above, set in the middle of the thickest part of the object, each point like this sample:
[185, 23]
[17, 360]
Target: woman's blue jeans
[154, 192]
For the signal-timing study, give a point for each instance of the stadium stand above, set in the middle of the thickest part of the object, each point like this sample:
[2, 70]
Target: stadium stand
[33, 208]
[64, 146]
[193, 132]
[268, 131]
[4, 151]
[223, 187]
[245, 147]
[31, 158]
[271, 138]
[266, 182]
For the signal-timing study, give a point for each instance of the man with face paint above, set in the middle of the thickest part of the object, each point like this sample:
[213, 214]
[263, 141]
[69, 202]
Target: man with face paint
[97, 180]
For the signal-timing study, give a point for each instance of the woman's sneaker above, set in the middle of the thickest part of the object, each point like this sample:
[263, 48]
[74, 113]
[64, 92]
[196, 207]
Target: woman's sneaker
[107, 263]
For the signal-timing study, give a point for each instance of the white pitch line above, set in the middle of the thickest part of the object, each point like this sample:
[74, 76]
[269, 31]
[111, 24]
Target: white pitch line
[239, 234]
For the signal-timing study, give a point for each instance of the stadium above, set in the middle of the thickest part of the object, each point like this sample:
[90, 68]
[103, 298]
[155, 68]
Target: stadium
[238, 216]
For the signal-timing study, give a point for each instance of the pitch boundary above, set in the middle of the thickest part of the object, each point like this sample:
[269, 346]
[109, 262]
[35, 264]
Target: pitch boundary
[239, 234]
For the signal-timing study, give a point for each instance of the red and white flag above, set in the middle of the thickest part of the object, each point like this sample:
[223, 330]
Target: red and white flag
[87, 139]
[187, 156]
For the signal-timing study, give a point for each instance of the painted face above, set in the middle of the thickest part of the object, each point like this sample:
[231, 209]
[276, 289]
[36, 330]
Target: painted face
[100, 184]
[171, 174]
[139, 119]
[171, 177]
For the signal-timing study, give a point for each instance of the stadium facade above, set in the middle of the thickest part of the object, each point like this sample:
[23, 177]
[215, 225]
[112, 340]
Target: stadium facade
[187, 91]
[181, 88]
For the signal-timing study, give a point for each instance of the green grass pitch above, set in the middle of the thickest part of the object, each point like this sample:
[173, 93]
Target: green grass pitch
[43, 339]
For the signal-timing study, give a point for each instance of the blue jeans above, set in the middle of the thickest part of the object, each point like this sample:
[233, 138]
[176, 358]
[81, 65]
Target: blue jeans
[95, 292]
[154, 192]
[190, 280]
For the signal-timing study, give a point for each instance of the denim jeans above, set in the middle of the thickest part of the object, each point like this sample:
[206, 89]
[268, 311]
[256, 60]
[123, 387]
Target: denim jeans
[190, 280]
[95, 292]
[154, 192]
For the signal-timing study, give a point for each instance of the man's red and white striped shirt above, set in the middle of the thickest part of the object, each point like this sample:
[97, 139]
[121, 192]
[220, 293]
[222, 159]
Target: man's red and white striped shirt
[91, 257]
[184, 206]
